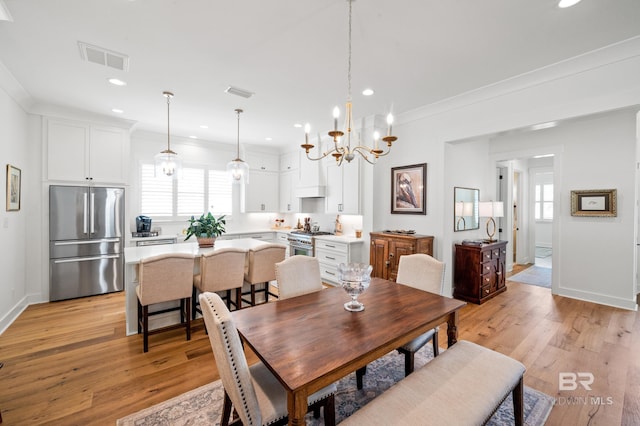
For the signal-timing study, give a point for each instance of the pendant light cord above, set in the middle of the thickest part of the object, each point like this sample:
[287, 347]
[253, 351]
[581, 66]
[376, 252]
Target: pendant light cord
[238, 111]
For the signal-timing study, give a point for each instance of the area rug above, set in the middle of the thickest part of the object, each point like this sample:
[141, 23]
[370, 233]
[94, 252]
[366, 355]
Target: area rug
[202, 406]
[535, 275]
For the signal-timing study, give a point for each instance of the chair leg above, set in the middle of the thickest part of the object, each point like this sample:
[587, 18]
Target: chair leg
[253, 295]
[187, 302]
[360, 372]
[518, 403]
[408, 362]
[239, 298]
[145, 327]
[226, 410]
[194, 303]
[139, 317]
[436, 348]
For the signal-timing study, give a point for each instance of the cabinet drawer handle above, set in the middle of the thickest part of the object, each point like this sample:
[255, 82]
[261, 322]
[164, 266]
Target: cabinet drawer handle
[486, 280]
[330, 258]
[487, 268]
[329, 273]
[487, 291]
[330, 246]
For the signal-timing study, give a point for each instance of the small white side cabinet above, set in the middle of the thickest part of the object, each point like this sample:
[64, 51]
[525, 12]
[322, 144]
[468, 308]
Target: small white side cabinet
[84, 152]
[332, 251]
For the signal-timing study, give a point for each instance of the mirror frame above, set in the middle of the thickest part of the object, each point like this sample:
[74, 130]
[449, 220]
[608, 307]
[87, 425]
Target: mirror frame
[462, 220]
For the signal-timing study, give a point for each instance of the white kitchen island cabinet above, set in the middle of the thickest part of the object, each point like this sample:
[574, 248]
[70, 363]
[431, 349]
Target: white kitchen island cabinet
[132, 258]
[331, 251]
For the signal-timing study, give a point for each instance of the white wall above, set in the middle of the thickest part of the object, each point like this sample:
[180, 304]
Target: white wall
[18, 239]
[596, 82]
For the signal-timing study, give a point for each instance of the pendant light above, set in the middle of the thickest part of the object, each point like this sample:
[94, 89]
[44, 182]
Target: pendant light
[167, 162]
[238, 169]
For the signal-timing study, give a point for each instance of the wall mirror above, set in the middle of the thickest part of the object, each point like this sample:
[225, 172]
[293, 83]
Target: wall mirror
[465, 209]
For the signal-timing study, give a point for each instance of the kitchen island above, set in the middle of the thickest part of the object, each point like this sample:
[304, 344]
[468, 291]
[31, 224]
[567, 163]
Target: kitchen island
[132, 258]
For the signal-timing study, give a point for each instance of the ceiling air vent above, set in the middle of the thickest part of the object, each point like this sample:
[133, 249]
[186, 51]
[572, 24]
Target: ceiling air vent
[239, 92]
[102, 56]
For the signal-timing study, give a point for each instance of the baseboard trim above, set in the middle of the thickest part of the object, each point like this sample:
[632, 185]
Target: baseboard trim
[13, 314]
[616, 302]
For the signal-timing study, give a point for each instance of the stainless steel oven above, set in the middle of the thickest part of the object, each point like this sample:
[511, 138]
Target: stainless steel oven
[301, 242]
[300, 245]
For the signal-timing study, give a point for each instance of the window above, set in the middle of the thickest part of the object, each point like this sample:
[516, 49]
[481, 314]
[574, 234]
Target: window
[544, 201]
[197, 188]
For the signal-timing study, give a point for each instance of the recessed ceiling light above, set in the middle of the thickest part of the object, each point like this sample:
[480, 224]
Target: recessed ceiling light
[543, 156]
[193, 137]
[117, 82]
[568, 3]
[367, 92]
[297, 125]
[204, 126]
[117, 111]
[268, 139]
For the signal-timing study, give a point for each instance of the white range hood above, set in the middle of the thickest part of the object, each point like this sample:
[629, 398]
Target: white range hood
[314, 191]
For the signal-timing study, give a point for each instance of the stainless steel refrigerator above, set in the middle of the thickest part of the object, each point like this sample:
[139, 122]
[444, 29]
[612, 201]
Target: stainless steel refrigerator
[86, 254]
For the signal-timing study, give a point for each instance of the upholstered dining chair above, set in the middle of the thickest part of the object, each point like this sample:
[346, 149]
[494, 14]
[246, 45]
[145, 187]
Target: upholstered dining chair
[221, 270]
[261, 269]
[164, 278]
[298, 275]
[254, 392]
[423, 272]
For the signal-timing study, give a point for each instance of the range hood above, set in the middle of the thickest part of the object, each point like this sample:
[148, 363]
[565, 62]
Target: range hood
[315, 191]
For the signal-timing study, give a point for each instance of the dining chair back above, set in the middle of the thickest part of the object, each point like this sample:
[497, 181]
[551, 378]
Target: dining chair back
[254, 392]
[164, 278]
[221, 270]
[423, 272]
[261, 269]
[298, 275]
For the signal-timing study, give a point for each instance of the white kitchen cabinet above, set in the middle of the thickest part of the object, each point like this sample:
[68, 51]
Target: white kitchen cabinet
[290, 161]
[343, 188]
[83, 152]
[332, 251]
[289, 203]
[261, 193]
[263, 162]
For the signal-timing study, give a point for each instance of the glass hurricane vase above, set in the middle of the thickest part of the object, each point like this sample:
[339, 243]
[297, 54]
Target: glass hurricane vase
[355, 279]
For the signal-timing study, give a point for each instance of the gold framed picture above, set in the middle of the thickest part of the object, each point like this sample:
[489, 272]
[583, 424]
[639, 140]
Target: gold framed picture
[594, 203]
[14, 181]
[409, 189]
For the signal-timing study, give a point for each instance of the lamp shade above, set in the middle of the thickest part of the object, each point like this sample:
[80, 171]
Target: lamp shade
[491, 209]
[238, 171]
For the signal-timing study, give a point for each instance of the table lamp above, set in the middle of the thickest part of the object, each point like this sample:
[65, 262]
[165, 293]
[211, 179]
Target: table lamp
[491, 209]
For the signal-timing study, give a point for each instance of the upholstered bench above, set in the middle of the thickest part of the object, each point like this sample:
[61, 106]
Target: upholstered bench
[464, 385]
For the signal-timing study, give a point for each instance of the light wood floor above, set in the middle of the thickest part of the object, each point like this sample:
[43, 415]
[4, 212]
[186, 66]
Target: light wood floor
[70, 363]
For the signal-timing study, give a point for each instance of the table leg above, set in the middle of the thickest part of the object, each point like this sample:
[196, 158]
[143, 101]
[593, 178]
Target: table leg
[297, 407]
[452, 329]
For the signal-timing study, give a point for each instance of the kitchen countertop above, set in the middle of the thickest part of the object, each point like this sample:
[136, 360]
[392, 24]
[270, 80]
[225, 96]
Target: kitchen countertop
[341, 238]
[133, 255]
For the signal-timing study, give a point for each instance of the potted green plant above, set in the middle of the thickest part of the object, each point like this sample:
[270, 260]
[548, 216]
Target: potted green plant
[206, 228]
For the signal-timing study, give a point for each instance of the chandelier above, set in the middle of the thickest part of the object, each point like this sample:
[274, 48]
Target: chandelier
[238, 169]
[343, 150]
[167, 162]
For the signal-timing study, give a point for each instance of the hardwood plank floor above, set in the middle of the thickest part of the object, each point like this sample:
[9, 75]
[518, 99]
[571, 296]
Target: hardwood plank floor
[70, 363]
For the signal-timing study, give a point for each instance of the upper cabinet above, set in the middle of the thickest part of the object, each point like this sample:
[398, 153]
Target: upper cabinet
[84, 152]
[263, 161]
[261, 193]
[290, 161]
[343, 188]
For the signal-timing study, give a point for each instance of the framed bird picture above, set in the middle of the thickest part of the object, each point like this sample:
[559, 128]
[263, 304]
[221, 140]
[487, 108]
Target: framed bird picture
[409, 189]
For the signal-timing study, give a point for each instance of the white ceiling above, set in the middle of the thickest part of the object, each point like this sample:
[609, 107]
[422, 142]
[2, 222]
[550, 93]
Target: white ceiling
[291, 53]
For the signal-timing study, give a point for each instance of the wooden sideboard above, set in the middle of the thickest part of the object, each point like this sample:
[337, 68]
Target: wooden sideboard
[387, 247]
[479, 272]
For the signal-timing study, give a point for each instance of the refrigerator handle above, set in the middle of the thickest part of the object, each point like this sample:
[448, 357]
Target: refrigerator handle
[84, 216]
[85, 259]
[93, 213]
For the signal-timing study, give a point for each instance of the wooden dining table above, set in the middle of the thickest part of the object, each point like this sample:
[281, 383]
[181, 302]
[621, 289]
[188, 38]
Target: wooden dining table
[311, 341]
